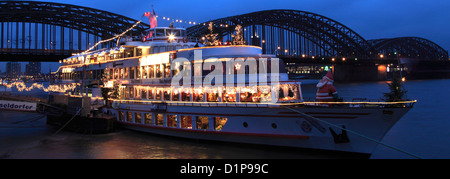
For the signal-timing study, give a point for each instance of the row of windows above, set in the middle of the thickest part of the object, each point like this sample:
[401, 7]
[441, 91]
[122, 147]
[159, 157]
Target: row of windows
[141, 72]
[173, 120]
[286, 92]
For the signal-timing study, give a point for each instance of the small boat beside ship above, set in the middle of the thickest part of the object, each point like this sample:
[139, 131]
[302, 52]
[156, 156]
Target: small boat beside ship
[170, 84]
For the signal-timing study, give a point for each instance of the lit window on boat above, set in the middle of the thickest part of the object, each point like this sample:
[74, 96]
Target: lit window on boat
[159, 119]
[121, 116]
[144, 72]
[167, 70]
[150, 93]
[143, 93]
[148, 118]
[171, 120]
[151, 71]
[131, 72]
[137, 118]
[198, 96]
[288, 92]
[202, 122]
[219, 122]
[158, 94]
[138, 72]
[212, 97]
[186, 122]
[129, 116]
[185, 96]
[175, 95]
[167, 95]
[229, 95]
[158, 71]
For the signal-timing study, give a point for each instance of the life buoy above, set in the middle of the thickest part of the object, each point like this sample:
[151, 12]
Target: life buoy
[185, 40]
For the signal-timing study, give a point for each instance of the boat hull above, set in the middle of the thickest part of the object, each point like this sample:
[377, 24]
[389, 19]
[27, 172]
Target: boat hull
[319, 128]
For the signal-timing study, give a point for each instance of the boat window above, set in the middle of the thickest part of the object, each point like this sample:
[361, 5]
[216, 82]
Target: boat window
[212, 97]
[175, 95]
[159, 32]
[148, 118]
[144, 72]
[137, 93]
[159, 119]
[198, 96]
[137, 118]
[172, 120]
[121, 116]
[162, 49]
[167, 95]
[202, 122]
[122, 73]
[131, 72]
[229, 95]
[288, 92]
[250, 97]
[175, 32]
[186, 122]
[138, 51]
[219, 122]
[158, 94]
[150, 93]
[125, 70]
[265, 93]
[138, 72]
[167, 70]
[129, 116]
[185, 96]
[155, 49]
[131, 92]
[151, 71]
[143, 93]
[158, 71]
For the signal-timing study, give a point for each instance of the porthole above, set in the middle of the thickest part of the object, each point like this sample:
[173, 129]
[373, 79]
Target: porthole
[274, 125]
[245, 124]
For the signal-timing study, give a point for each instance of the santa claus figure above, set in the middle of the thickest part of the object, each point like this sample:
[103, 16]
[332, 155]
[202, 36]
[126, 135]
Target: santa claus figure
[326, 91]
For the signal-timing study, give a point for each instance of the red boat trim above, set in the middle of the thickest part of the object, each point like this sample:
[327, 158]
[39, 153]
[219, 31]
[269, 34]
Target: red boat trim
[218, 132]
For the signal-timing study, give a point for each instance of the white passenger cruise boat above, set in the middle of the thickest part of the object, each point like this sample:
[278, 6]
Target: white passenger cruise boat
[153, 92]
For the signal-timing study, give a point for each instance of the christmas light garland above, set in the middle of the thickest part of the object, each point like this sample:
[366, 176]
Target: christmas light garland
[115, 37]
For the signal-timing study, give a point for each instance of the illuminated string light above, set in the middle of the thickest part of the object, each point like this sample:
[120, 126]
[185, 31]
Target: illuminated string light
[21, 86]
[115, 37]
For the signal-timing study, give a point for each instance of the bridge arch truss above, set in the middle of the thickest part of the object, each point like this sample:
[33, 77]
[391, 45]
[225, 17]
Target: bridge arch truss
[47, 31]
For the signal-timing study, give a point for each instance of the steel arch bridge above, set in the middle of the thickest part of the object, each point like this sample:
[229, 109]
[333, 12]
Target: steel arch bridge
[46, 31]
[409, 47]
[299, 34]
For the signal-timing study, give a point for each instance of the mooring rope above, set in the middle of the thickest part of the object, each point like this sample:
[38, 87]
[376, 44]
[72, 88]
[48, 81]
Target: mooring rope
[353, 132]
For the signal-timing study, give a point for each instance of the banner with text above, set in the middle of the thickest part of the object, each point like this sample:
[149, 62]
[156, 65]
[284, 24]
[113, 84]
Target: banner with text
[16, 105]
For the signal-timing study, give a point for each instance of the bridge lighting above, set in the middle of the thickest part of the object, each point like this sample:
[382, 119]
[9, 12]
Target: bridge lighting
[343, 58]
[286, 51]
[263, 41]
[303, 55]
[381, 56]
[333, 59]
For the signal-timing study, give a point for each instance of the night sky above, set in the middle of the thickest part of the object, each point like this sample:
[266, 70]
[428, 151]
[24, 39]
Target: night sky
[372, 19]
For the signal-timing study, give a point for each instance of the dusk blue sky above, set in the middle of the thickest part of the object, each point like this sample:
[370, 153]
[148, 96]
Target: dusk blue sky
[371, 19]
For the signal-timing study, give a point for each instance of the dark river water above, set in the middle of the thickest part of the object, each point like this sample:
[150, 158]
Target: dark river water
[423, 131]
